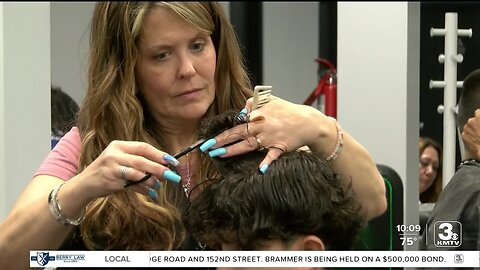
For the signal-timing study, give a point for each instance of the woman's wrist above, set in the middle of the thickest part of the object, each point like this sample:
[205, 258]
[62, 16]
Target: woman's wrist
[328, 137]
[57, 210]
[338, 144]
[72, 199]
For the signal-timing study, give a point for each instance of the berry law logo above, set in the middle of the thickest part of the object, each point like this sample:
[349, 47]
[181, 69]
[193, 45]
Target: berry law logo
[42, 258]
[447, 234]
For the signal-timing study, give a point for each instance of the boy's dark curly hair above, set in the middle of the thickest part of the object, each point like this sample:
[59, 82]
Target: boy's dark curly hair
[299, 195]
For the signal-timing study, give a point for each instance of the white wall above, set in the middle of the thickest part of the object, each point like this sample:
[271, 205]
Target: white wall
[378, 86]
[226, 8]
[24, 96]
[290, 46]
[70, 30]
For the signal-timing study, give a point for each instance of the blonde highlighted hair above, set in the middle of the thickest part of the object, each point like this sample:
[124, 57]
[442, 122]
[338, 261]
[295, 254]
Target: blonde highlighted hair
[114, 110]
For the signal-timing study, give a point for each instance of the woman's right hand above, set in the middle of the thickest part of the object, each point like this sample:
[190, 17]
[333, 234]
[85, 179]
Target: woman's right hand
[30, 225]
[104, 175]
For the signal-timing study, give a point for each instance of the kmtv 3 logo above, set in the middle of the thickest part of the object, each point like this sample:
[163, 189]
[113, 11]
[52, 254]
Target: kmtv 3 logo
[42, 258]
[447, 234]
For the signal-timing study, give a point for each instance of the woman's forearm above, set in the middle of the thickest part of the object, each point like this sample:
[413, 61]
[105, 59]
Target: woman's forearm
[353, 164]
[31, 225]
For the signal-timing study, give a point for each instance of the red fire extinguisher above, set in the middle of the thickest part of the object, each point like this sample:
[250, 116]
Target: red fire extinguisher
[326, 91]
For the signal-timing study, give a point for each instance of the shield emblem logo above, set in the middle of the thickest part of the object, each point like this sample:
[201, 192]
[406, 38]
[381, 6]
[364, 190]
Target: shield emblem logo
[42, 258]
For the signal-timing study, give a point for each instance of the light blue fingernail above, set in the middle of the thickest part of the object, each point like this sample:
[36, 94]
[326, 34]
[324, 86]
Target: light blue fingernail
[217, 152]
[171, 176]
[241, 117]
[170, 159]
[152, 194]
[208, 144]
[264, 168]
[157, 184]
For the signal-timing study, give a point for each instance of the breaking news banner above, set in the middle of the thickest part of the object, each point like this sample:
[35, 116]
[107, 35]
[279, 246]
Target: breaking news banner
[44, 258]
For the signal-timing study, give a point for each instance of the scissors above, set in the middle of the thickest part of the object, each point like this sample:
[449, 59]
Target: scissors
[261, 96]
[240, 118]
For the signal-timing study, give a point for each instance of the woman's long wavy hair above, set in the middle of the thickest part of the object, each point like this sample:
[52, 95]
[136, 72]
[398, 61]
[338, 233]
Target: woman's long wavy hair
[114, 110]
[431, 194]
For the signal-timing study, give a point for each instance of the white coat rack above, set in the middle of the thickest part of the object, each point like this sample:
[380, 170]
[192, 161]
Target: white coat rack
[450, 59]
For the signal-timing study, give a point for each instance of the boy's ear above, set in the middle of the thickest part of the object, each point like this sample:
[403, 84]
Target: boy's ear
[312, 242]
[309, 242]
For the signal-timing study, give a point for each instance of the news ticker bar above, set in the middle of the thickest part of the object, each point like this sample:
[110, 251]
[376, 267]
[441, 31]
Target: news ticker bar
[55, 258]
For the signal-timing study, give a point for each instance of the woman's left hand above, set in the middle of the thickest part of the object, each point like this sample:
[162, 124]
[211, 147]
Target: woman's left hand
[279, 126]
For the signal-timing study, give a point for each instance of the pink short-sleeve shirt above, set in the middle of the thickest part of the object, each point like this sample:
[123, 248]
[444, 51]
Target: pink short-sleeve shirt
[63, 160]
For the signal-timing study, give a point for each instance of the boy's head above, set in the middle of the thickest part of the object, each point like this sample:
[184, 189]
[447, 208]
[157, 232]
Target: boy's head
[469, 98]
[298, 204]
